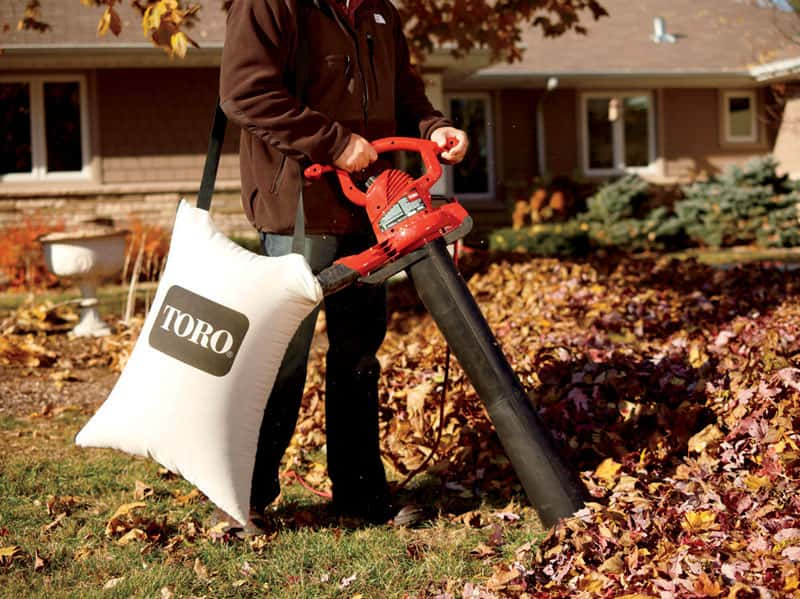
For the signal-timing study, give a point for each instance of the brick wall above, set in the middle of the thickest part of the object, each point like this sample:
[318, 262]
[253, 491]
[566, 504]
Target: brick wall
[156, 208]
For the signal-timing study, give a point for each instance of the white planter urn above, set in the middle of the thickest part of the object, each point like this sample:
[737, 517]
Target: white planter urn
[87, 257]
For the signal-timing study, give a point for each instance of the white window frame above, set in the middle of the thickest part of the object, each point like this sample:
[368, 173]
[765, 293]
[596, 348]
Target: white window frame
[726, 116]
[618, 136]
[39, 172]
[490, 158]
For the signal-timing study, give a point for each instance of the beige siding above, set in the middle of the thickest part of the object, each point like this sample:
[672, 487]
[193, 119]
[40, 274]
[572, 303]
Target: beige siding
[141, 141]
[787, 143]
[692, 134]
[561, 132]
[518, 138]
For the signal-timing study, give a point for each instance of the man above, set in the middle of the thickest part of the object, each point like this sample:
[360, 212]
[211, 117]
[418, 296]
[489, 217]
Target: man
[311, 81]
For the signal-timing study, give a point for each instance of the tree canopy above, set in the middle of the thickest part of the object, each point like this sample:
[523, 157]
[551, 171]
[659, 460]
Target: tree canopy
[460, 25]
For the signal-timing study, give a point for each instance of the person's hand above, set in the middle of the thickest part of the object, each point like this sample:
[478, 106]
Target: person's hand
[455, 154]
[357, 155]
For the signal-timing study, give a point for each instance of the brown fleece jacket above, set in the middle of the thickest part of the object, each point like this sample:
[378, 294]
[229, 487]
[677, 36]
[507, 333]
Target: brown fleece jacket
[358, 79]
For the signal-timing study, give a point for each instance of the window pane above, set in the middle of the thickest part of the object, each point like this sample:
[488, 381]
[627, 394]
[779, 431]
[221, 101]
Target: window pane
[601, 134]
[62, 110]
[740, 117]
[471, 175]
[637, 149]
[15, 128]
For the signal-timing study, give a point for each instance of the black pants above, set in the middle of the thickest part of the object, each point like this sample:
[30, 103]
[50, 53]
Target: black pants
[356, 324]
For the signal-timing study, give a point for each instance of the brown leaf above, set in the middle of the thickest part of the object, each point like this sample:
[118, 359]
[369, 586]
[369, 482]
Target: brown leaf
[502, 577]
[119, 521]
[482, 551]
[54, 523]
[135, 534]
[191, 497]
[200, 570]
[39, 562]
[142, 491]
[472, 519]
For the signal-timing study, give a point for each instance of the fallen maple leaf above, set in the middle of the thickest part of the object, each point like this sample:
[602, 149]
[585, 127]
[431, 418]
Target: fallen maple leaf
[699, 521]
[607, 470]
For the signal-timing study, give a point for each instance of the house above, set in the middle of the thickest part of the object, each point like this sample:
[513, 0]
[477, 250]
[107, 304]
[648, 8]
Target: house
[669, 89]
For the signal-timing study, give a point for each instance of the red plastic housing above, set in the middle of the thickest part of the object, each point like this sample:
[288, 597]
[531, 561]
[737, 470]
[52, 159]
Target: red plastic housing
[398, 207]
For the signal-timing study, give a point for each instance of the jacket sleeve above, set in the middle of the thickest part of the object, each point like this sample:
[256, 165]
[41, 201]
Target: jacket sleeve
[253, 91]
[414, 112]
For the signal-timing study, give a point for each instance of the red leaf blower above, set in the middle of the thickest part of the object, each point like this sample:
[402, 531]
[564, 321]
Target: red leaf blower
[412, 235]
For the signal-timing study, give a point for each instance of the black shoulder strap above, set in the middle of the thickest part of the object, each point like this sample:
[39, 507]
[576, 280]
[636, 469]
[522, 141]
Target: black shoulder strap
[212, 158]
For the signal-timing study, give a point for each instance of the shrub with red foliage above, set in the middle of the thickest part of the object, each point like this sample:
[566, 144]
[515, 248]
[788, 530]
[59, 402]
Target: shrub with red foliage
[22, 263]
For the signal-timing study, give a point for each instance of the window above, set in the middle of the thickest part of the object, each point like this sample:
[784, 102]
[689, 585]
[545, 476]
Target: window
[43, 128]
[617, 132]
[473, 177]
[739, 114]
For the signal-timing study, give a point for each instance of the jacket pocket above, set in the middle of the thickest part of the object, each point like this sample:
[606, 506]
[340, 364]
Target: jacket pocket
[276, 181]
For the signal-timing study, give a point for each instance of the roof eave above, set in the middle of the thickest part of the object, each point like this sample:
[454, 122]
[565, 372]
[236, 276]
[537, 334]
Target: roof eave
[779, 70]
[59, 56]
[538, 79]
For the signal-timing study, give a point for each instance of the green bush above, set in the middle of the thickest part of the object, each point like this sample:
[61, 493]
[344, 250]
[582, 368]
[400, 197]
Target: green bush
[749, 205]
[737, 208]
[548, 239]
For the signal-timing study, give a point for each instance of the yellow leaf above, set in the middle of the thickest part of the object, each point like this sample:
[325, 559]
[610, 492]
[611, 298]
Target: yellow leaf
[10, 551]
[178, 43]
[135, 534]
[739, 586]
[791, 582]
[190, 497]
[607, 470]
[704, 438]
[700, 521]
[105, 22]
[127, 508]
[756, 483]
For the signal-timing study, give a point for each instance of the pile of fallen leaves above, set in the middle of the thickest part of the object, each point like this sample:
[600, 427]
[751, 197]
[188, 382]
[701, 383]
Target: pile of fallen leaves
[671, 385]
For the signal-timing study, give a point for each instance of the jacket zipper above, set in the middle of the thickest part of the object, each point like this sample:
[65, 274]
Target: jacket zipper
[371, 46]
[365, 89]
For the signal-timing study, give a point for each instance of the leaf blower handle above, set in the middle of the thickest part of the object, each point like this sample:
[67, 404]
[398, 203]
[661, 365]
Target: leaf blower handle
[428, 150]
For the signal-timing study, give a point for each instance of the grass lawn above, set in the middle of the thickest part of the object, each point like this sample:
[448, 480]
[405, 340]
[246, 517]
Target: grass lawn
[112, 298]
[57, 500]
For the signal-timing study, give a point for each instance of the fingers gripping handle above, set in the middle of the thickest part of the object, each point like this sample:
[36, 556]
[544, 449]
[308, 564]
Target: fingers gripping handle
[428, 150]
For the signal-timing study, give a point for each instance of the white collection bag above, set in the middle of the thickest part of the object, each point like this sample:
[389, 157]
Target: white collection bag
[193, 392]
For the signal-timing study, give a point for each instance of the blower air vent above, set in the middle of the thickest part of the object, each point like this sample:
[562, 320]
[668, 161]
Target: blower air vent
[396, 183]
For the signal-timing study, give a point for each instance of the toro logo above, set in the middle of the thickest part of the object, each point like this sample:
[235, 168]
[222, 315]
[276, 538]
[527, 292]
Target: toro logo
[198, 332]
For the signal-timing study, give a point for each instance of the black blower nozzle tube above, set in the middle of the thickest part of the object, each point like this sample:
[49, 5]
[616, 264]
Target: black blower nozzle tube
[552, 487]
